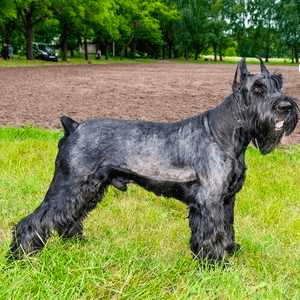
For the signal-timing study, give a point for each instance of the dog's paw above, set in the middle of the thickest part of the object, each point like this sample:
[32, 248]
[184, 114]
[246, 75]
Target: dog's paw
[232, 248]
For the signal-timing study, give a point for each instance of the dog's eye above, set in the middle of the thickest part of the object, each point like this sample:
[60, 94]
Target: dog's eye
[259, 87]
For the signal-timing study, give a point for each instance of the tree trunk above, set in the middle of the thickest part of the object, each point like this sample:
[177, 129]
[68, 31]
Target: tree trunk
[170, 50]
[64, 43]
[134, 47]
[106, 52]
[196, 54]
[9, 27]
[186, 56]
[267, 54]
[29, 53]
[215, 52]
[64, 49]
[220, 53]
[296, 55]
[85, 48]
[29, 36]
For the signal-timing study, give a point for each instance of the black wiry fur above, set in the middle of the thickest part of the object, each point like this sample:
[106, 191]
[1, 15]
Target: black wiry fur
[199, 161]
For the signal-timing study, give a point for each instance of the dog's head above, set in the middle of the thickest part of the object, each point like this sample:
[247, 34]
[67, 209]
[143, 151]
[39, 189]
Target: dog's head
[270, 113]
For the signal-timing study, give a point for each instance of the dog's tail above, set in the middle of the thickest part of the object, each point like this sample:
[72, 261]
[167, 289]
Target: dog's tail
[68, 124]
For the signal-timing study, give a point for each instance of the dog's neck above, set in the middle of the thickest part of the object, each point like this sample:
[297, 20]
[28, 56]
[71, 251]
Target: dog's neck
[230, 126]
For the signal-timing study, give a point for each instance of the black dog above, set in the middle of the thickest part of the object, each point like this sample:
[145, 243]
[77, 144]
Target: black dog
[200, 161]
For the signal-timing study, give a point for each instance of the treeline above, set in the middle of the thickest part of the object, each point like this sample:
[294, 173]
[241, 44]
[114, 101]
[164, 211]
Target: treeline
[156, 28]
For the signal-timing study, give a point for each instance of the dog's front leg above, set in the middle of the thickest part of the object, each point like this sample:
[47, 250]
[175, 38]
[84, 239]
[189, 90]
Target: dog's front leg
[206, 219]
[230, 245]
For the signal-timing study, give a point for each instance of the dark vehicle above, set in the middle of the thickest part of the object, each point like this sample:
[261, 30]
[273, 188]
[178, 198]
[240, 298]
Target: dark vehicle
[44, 52]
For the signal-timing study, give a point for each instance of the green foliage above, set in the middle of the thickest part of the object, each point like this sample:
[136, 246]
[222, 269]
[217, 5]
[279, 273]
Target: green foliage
[137, 244]
[230, 51]
[152, 27]
[289, 18]
[29, 14]
[7, 20]
[143, 25]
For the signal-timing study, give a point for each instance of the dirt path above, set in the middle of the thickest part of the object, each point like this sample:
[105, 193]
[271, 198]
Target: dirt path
[163, 91]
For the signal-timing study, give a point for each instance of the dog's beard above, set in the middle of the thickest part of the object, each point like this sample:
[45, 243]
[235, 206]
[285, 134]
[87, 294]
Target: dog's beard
[268, 135]
[266, 145]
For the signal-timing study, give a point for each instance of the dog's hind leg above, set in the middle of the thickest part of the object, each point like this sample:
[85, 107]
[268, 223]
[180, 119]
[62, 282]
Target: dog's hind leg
[66, 204]
[81, 197]
[31, 234]
[72, 226]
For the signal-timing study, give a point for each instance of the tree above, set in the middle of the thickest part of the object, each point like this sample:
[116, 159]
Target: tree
[29, 14]
[194, 14]
[7, 20]
[237, 13]
[105, 25]
[168, 17]
[217, 27]
[98, 22]
[47, 31]
[90, 11]
[68, 14]
[289, 20]
[138, 26]
[264, 25]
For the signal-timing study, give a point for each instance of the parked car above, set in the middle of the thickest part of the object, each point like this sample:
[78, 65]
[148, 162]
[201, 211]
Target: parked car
[44, 52]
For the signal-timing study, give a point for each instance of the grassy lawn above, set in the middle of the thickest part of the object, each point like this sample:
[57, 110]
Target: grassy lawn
[137, 244]
[19, 61]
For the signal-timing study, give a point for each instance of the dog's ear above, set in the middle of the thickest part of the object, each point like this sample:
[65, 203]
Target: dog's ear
[263, 68]
[235, 85]
[276, 77]
[242, 71]
[277, 80]
[68, 124]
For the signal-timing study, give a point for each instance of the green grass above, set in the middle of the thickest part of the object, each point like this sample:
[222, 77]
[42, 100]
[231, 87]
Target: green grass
[137, 244]
[28, 132]
[20, 61]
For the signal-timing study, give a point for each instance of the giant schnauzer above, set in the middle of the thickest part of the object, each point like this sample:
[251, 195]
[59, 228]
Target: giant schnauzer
[200, 161]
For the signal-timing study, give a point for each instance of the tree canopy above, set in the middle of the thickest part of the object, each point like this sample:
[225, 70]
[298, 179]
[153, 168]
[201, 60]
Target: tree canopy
[156, 28]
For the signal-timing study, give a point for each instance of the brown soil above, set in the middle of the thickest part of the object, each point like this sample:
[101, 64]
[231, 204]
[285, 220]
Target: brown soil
[162, 91]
